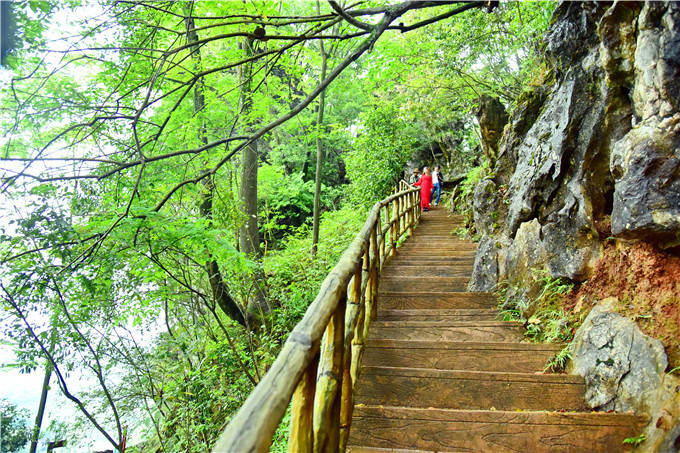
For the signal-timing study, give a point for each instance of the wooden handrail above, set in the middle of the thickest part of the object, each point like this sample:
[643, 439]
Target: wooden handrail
[319, 362]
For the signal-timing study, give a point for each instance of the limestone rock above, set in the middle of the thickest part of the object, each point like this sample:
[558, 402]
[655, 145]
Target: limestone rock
[486, 206]
[657, 61]
[526, 252]
[598, 140]
[492, 118]
[485, 274]
[622, 367]
[646, 165]
[573, 22]
[646, 161]
[522, 119]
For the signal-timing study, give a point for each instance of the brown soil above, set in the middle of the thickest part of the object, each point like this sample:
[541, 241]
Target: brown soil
[646, 281]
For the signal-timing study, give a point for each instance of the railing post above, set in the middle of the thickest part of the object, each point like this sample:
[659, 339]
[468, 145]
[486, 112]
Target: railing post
[399, 222]
[394, 221]
[326, 416]
[383, 241]
[350, 356]
[301, 439]
[411, 214]
[374, 273]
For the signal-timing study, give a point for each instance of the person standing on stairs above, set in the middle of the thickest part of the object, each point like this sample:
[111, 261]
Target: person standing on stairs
[425, 183]
[414, 177]
[436, 185]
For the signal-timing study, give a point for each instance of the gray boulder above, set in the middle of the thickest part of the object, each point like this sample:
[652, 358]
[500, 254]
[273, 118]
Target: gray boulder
[622, 367]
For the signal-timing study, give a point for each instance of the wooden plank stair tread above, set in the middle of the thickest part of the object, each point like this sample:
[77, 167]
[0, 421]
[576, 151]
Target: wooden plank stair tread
[450, 355]
[424, 236]
[501, 376]
[388, 428]
[444, 323]
[437, 248]
[480, 345]
[455, 389]
[423, 278]
[433, 292]
[445, 244]
[509, 417]
[447, 253]
[453, 271]
[434, 300]
[441, 372]
[462, 314]
[476, 333]
[425, 260]
[404, 264]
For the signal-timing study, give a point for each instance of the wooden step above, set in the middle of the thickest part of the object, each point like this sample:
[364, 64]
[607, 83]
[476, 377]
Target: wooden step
[439, 221]
[492, 331]
[443, 229]
[423, 236]
[463, 314]
[433, 299]
[426, 261]
[405, 269]
[441, 211]
[443, 254]
[470, 356]
[435, 248]
[424, 283]
[419, 259]
[397, 428]
[455, 389]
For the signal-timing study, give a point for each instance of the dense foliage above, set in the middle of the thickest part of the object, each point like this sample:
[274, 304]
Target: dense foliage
[14, 426]
[126, 185]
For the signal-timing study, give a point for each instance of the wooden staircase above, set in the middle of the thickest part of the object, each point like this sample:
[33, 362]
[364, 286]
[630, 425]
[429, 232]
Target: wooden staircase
[441, 373]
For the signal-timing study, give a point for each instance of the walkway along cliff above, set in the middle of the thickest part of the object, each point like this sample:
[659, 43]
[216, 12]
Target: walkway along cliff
[441, 372]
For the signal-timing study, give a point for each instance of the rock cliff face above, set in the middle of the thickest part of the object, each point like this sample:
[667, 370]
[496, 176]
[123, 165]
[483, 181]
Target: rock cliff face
[598, 145]
[592, 157]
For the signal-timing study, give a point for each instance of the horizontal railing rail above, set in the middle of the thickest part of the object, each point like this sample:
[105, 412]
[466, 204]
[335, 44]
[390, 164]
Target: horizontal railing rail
[319, 361]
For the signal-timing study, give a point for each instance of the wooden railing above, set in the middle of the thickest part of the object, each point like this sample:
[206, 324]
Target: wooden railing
[319, 362]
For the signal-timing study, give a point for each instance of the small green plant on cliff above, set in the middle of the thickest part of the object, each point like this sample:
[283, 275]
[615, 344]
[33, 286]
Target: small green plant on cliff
[559, 361]
[552, 288]
[549, 323]
[635, 441]
[677, 368]
[543, 316]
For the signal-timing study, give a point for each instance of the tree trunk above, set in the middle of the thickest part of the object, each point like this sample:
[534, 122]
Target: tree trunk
[249, 239]
[41, 408]
[319, 150]
[220, 290]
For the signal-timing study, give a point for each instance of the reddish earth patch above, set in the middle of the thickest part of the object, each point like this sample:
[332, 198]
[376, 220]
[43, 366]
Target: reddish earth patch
[646, 281]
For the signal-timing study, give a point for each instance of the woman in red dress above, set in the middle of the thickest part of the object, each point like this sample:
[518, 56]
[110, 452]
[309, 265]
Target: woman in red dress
[425, 183]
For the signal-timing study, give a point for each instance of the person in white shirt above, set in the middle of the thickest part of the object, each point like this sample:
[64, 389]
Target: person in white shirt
[436, 185]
